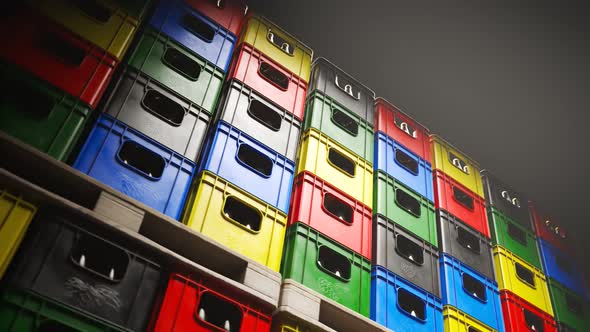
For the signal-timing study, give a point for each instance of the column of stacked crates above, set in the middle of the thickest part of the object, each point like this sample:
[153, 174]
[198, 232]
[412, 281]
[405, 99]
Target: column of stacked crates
[328, 241]
[470, 293]
[405, 276]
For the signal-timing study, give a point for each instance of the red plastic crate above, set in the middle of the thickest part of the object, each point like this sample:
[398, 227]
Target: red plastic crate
[230, 14]
[402, 128]
[550, 230]
[465, 205]
[331, 212]
[184, 299]
[256, 70]
[55, 55]
[519, 315]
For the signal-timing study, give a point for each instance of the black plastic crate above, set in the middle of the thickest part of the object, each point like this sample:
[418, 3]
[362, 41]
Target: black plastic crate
[158, 112]
[464, 243]
[406, 255]
[92, 269]
[508, 201]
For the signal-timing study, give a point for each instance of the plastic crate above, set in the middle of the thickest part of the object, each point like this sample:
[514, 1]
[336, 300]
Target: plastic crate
[136, 165]
[552, 230]
[327, 267]
[192, 304]
[465, 205]
[270, 79]
[321, 155]
[169, 63]
[256, 116]
[476, 295]
[454, 163]
[291, 324]
[506, 200]
[458, 321]
[55, 55]
[230, 14]
[563, 268]
[180, 21]
[403, 165]
[327, 116]
[514, 236]
[39, 114]
[162, 115]
[24, 311]
[333, 82]
[570, 309]
[519, 315]
[561, 327]
[402, 128]
[236, 219]
[401, 306]
[332, 212]
[15, 216]
[521, 278]
[94, 270]
[465, 244]
[405, 207]
[404, 254]
[277, 44]
[99, 22]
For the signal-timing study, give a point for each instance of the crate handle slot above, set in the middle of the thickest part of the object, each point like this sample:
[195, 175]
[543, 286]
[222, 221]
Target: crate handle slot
[468, 240]
[95, 10]
[242, 213]
[100, 257]
[463, 198]
[198, 27]
[573, 305]
[459, 163]
[279, 42]
[512, 200]
[347, 87]
[525, 275]
[163, 107]
[264, 114]
[555, 229]
[254, 160]
[24, 97]
[219, 313]
[338, 208]
[142, 160]
[409, 250]
[472, 329]
[406, 161]
[181, 63]
[408, 203]
[345, 122]
[334, 263]
[341, 162]
[273, 75]
[54, 326]
[474, 287]
[219, 3]
[533, 322]
[517, 234]
[565, 265]
[411, 304]
[61, 49]
[405, 127]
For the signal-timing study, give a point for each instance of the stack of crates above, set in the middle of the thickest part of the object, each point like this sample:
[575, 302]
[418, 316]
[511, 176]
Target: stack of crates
[328, 242]
[470, 293]
[405, 275]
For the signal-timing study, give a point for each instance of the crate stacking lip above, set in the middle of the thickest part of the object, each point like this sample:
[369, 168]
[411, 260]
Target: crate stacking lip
[506, 200]
[519, 315]
[230, 14]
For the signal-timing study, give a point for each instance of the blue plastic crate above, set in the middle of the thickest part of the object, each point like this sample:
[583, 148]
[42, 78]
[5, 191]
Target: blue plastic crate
[401, 306]
[136, 165]
[561, 267]
[249, 164]
[206, 38]
[471, 292]
[403, 165]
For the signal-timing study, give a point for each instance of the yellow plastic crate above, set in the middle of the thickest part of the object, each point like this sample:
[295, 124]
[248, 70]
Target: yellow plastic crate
[457, 321]
[234, 218]
[456, 164]
[528, 282]
[15, 217]
[289, 325]
[335, 164]
[109, 27]
[279, 45]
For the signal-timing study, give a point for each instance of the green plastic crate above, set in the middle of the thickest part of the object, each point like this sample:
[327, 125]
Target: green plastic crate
[40, 115]
[178, 69]
[405, 207]
[23, 311]
[514, 237]
[344, 276]
[568, 307]
[340, 124]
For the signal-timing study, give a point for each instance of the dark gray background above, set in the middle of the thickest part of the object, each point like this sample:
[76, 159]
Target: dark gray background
[505, 81]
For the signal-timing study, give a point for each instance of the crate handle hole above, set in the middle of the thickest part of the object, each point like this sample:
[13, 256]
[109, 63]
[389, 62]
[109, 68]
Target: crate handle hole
[406, 161]
[198, 27]
[517, 234]
[472, 329]
[408, 203]
[95, 10]
[242, 213]
[411, 304]
[181, 63]
[335, 263]
[533, 322]
[53, 326]
[264, 114]
[405, 127]
[163, 107]
[338, 208]
[459, 163]
[525, 274]
[280, 42]
[254, 159]
[100, 257]
[463, 198]
[219, 3]
[573, 305]
[341, 162]
[61, 49]
[565, 265]
[274, 76]
[26, 98]
[409, 249]
[220, 313]
[468, 240]
[474, 287]
[345, 122]
[347, 87]
[141, 159]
